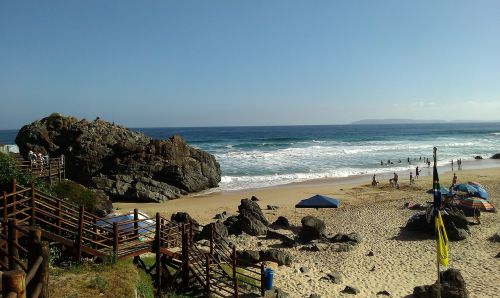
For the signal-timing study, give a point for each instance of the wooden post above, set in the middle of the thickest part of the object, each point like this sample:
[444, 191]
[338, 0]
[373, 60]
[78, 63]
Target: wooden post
[94, 230]
[38, 249]
[14, 197]
[14, 281]
[190, 232]
[80, 235]
[235, 280]
[136, 222]
[5, 206]
[33, 205]
[58, 216]
[185, 258]
[12, 250]
[212, 230]
[158, 254]
[50, 172]
[262, 281]
[115, 241]
[59, 169]
[207, 271]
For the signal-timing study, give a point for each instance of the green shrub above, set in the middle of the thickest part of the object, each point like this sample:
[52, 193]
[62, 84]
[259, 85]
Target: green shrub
[8, 172]
[98, 283]
[77, 194]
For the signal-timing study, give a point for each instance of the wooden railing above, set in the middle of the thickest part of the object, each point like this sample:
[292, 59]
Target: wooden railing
[23, 278]
[216, 270]
[50, 168]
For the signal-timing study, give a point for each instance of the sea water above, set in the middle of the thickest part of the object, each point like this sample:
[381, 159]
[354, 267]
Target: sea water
[254, 157]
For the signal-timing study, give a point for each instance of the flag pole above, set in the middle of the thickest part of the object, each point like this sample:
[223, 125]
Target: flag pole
[435, 183]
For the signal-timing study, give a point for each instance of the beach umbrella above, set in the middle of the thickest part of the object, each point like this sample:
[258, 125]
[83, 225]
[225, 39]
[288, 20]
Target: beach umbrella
[480, 192]
[475, 202]
[465, 188]
[318, 201]
[472, 190]
[444, 191]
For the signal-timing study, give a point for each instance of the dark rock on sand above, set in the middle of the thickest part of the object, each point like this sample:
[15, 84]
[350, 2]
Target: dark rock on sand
[495, 237]
[353, 237]
[254, 198]
[383, 293]
[272, 207]
[304, 269]
[452, 286]
[314, 296]
[275, 255]
[478, 157]
[281, 222]
[220, 232]
[248, 257]
[456, 224]
[496, 156]
[182, 217]
[126, 165]
[312, 228]
[350, 290]
[251, 220]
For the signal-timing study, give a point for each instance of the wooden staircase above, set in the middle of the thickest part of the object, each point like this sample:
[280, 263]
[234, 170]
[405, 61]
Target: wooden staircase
[180, 262]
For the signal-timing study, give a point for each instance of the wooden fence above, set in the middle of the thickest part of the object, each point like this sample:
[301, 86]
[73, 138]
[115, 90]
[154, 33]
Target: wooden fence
[26, 268]
[215, 269]
[48, 168]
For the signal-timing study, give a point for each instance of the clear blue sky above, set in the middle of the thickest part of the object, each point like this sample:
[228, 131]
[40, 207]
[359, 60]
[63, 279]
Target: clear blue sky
[211, 63]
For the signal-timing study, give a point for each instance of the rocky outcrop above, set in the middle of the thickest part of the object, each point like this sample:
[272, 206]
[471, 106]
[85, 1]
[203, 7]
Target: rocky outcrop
[251, 220]
[127, 165]
[452, 285]
[280, 257]
[455, 222]
[496, 156]
[312, 228]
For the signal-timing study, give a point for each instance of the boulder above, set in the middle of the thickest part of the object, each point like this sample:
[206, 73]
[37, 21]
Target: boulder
[350, 290]
[452, 285]
[103, 205]
[495, 237]
[281, 222]
[183, 218]
[249, 208]
[312, 228]
[353, 238]
[220, 232]
[125, 164]
[254, 198]
[274, 255]
[232, 225]
[455, 222]
[496, 156]
[251, 220]
[272, 207]
[478, 157]
[343, 247]
[247, 257]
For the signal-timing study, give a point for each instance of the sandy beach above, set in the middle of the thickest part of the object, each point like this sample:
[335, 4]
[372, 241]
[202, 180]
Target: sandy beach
[400, 261]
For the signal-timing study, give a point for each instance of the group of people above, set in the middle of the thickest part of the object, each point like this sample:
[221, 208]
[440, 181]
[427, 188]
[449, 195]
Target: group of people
[38, 160]
[426, 161]
[459, 164]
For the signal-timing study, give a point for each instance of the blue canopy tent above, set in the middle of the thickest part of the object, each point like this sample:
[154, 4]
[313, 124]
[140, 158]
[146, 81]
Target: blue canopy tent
[318, 201]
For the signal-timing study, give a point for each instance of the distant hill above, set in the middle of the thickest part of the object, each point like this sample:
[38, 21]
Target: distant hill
[395, 121]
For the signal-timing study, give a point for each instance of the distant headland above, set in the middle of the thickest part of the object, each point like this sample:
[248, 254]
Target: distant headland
[410, 121]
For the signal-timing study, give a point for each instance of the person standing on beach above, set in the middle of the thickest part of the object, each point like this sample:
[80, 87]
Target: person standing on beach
[395, 179]
[417, 172]
[454, 181]
[411, 178]
[452, 164]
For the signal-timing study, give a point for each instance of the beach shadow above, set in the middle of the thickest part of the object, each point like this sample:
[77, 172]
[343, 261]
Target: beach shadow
[405, 235]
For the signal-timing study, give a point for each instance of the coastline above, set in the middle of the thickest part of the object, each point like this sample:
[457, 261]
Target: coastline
[203, 206]
[387, 259]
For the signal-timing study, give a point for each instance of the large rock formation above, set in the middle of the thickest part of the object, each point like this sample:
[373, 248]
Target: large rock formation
[127, 165]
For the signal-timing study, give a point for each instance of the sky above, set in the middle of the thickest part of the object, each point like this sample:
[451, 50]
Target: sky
[231, 63]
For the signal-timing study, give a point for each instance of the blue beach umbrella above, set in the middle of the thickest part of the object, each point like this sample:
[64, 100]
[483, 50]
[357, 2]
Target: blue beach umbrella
[480, 192]
[465, 188]
[318, 201]
[473, 190]
[444, 191]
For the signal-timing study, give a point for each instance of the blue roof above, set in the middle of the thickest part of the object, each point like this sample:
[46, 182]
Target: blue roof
[318, 201]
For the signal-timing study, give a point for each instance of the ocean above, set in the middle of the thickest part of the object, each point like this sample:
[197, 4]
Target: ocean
[261, 156]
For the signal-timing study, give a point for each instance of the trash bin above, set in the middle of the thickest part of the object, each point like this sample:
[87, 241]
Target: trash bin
[268, 278]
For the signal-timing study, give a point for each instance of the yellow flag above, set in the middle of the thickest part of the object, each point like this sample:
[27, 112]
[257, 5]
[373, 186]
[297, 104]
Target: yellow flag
[441, 241]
